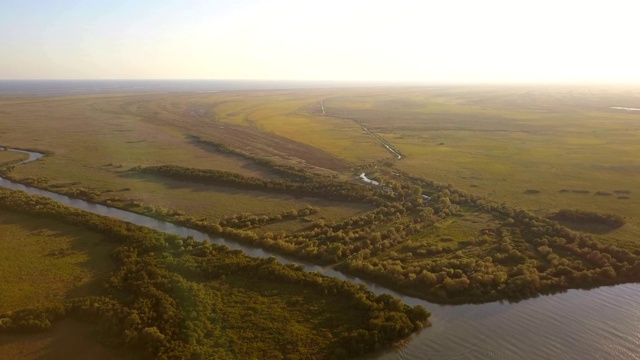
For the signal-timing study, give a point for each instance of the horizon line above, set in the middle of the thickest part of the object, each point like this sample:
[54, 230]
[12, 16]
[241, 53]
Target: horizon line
[350, 81]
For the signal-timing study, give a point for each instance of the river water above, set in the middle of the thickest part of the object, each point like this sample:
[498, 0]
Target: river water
[597, 324]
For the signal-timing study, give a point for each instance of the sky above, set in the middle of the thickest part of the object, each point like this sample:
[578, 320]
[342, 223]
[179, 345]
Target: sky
[454, 41]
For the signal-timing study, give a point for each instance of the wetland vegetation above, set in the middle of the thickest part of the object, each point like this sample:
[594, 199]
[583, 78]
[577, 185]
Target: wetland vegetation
[171, 297]
[502, 193]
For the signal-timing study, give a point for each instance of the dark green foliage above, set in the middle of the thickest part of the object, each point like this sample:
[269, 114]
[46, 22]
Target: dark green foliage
[603, 193]
[30, 320]
[526, 256]
[248, 221]
[589, 217]
[164, 299]
[581, 191]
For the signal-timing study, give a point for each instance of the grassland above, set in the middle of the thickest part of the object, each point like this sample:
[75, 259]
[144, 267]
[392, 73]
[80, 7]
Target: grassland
[102, 138]
[501, 142]
[9, 157]
[493, 141]
[43, 262]
[496, 165]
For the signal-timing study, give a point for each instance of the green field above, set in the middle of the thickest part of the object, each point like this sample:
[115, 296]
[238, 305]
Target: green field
[43, 262]
[493, 141]
[501, 142]
[101, 138]
[488, 138]
[496, 164]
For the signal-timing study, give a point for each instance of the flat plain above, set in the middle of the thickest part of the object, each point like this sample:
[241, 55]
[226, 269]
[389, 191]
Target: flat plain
[472, 211]
[43, 262]
[566, 143]
[9, 157]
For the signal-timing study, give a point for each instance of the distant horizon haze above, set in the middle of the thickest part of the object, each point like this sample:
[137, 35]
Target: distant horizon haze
[407, 41]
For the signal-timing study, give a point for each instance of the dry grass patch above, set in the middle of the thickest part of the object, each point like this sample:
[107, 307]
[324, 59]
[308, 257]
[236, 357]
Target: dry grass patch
[7, 157]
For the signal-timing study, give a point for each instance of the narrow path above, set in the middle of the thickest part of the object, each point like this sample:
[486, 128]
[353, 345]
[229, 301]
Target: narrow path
[378, 138]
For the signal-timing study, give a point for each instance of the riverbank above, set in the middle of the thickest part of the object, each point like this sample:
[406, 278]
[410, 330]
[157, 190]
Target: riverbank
[507, 283]
[354, 321]
[477, 329]
[480, 330]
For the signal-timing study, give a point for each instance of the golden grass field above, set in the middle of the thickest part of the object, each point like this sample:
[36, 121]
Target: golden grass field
[10, 157]
[536, 148]
[43, 262]
[500, 142]
[493, 141]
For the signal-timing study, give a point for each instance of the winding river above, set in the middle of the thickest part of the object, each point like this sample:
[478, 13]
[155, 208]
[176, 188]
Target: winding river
[597, 324]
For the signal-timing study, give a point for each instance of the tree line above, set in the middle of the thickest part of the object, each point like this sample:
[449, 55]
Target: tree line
[589, 217]
[521, 256]
[321, 186]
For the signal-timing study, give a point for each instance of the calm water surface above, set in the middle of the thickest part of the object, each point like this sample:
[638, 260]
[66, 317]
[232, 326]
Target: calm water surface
[595, 324]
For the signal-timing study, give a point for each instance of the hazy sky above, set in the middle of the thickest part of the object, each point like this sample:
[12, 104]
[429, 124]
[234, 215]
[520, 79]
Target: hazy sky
[394, 40]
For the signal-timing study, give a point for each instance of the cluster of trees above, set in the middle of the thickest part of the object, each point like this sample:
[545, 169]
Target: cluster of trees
[522, 256]
[327, 242]
[91, 309]
[589, 217]
[320, 186]
[249, 221]
[77, 192]
[384, 317]
[155, 302]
